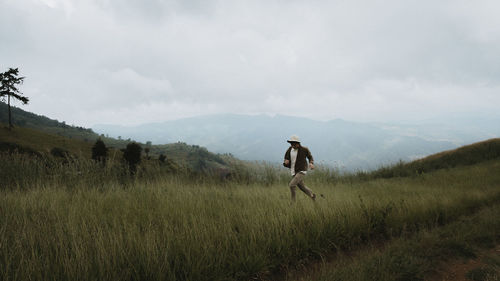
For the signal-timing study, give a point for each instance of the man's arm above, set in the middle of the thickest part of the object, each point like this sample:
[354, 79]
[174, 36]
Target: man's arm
[311, 159]
[286, 161]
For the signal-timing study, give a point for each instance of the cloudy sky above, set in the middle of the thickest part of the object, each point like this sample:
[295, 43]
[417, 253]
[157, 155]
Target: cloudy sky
[136, 61]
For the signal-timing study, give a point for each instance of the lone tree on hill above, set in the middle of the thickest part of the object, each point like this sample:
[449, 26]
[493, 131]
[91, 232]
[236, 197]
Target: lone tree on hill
[99, 151]
[132, 155]
[8, 87]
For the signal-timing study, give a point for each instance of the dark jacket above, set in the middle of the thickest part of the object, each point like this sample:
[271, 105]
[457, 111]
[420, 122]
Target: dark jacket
[300, 162]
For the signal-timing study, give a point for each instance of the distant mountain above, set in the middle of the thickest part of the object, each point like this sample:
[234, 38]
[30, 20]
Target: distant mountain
[343, 144]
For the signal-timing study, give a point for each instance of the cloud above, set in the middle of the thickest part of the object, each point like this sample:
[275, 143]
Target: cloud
[154, 59]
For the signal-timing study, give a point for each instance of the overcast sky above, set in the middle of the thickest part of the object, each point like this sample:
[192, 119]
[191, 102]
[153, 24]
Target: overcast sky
[136, 61]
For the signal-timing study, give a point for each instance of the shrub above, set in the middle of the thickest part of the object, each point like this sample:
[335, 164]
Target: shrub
[59, 152]
[99, 151]
[132, 155]
[162, 158]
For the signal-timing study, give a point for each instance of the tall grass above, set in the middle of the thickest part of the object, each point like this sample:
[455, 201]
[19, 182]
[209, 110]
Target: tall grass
[26, 171]
[419, 257]
[174, 228]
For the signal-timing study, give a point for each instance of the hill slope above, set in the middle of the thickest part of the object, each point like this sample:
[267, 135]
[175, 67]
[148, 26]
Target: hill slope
[36, 141]
[462, 156]
[21, 118]
[38, 134]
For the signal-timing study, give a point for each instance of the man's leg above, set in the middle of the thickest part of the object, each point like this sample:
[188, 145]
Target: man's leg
[293, 185]
[298, 180]
[306, 190]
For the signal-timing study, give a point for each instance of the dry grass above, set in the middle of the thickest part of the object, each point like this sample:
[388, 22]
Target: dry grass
[172, 228]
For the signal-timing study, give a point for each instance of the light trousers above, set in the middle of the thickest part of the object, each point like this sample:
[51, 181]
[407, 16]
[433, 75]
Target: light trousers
[298, 180]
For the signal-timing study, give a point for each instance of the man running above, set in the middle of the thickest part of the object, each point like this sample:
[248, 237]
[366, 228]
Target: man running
[296, 159]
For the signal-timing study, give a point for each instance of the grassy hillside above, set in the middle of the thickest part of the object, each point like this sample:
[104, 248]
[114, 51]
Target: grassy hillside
[466, 155]
[27, 139]
[82, 222]
[38, 134]
[180, 157]
[21, 118]
[462, 156]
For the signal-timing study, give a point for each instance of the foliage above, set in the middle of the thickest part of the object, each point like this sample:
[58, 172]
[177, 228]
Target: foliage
[8, 88]
[162, 158]
[132, 154]
[59, 152]
[99, 152]
[8, 85]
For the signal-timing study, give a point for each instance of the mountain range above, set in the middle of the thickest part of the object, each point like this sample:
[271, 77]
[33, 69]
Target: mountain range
[339, 143]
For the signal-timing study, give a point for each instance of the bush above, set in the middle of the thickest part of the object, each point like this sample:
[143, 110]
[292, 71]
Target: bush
[162, 158]
[99, 151]
[59, 152]
[132, 155]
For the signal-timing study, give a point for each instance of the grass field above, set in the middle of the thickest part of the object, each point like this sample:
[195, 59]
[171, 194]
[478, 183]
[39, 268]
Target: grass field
[171, 227]
[465, 249]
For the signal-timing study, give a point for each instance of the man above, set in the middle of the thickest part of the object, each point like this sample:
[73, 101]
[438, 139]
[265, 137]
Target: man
[296, 159]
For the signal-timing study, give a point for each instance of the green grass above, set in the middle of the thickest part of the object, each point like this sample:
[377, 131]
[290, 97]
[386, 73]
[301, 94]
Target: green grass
[173, 228]
[418, 257]
[34, 140]
[463, 156]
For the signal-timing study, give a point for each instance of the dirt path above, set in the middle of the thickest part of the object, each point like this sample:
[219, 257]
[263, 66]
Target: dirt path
[463, 270]
[455, 270]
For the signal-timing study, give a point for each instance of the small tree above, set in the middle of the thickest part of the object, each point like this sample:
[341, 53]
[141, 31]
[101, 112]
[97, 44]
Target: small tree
[99, 151]
[8, 88]
[162, 158]
[132, 155]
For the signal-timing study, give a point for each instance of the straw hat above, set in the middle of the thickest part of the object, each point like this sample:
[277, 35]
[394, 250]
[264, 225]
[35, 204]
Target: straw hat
[293, 138]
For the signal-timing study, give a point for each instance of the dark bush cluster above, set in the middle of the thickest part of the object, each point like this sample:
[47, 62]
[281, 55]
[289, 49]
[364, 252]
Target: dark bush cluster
[99, 151]
[132, 154]
[59, 152]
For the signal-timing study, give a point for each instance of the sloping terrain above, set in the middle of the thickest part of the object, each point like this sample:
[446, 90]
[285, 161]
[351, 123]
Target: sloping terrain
[35, 141]
[462, 156]
[34, 133]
